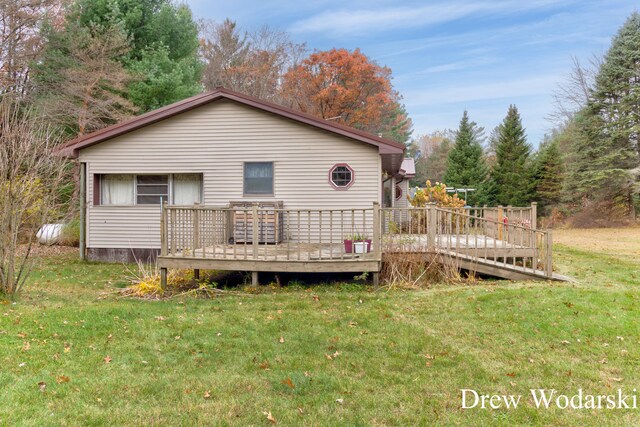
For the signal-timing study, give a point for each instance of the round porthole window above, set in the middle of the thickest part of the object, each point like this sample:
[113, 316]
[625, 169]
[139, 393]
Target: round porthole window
[398, 192]
[341, 176]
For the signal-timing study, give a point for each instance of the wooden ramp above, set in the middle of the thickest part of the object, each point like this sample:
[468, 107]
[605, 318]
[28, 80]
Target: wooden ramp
[499, 268]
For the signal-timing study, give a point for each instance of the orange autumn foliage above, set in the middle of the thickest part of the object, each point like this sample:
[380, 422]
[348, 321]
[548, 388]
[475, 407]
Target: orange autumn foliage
[347, 87]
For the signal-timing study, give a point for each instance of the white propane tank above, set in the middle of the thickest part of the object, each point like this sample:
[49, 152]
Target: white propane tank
[49, 233]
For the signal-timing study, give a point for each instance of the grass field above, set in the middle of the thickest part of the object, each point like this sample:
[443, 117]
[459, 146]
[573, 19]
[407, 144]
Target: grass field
[75, 353]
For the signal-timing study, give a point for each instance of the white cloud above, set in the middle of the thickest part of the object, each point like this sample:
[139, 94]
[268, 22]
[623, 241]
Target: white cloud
[461, 93]
[344, 22]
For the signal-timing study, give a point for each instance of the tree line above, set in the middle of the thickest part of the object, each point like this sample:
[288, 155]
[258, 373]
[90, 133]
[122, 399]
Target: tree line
[585, 172]
[86, 64]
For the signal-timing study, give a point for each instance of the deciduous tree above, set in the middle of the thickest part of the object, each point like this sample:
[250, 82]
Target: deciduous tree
[29, 174]
[21, 41]
[350, 88]
[250, 63]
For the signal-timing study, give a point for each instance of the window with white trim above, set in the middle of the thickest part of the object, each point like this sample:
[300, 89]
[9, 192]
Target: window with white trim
[129, 189]
[341, 176]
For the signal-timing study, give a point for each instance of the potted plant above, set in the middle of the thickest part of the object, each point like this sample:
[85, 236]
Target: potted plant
[357, 243]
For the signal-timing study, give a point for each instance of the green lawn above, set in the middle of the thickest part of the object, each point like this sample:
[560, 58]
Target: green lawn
[324, 355]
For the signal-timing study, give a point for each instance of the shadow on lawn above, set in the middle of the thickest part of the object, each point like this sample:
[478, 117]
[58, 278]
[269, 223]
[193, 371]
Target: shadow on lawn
[236, 279]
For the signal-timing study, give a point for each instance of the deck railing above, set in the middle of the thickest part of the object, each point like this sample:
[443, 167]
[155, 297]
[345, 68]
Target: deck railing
[469, 234]
[269, 234]
[315, 235]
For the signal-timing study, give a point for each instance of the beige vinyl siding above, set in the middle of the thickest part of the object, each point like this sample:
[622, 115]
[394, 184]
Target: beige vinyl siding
[216, 140]
[402, 202]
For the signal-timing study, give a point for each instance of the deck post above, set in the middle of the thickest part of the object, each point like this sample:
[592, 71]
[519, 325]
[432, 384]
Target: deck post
[376, 279]
[377, 232]
[548, 267]
[83, 211]
[163, 229]
[196, 274]
[196, 228]
[500, 221]
[534, 215]
[432, 228]
[254, 279]
[254, 237]
[163, 278]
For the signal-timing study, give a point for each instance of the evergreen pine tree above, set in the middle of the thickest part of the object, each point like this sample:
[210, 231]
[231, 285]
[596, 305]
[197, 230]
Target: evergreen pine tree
[511, 177]
[549, 175]
[606, 152]
[466, 165]
[162, 46]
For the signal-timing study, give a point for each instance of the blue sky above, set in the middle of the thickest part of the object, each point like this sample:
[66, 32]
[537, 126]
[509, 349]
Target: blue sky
[448, 56]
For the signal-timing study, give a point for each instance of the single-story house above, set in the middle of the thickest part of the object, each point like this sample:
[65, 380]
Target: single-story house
[222, 148]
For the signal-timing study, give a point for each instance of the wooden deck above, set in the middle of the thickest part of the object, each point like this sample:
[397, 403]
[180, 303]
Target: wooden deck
[312, 240]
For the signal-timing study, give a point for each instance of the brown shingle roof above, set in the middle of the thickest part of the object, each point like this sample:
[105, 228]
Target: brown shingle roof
[385, 146]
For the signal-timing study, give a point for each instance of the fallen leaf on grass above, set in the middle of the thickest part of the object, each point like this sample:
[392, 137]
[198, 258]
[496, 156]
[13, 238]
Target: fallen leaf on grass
[42, 386]
[107, 359]
[177, 337]
[62, 379]
[264, 365]
[270, 417]
[160, 318]
[67, 347]
[289, 383]
[301, 410]
[281, 340]
[340, 401]
[22, 335]
[603, 361]
[26, 346]
[617, 379]
[207, 394]
[565, 342]
[511, 374]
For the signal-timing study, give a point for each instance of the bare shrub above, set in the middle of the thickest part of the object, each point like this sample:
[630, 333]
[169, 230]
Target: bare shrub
[414, 270]
[30, 174]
